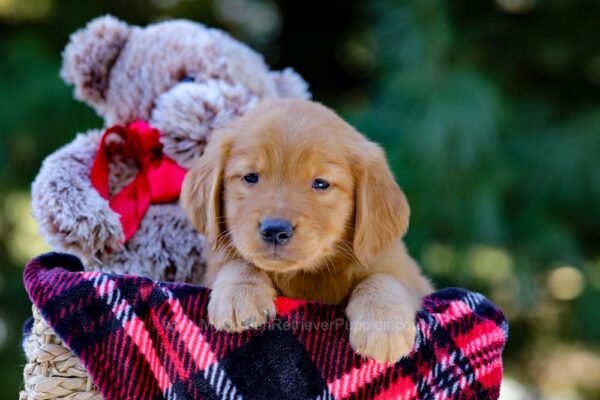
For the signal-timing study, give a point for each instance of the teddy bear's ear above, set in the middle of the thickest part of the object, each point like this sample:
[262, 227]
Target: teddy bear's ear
[90, 55]
[290, 84]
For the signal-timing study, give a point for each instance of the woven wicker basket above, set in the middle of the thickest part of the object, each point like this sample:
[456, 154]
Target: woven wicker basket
[52, 370]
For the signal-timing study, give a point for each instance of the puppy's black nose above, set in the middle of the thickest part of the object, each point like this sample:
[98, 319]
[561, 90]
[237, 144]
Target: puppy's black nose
[276, 231]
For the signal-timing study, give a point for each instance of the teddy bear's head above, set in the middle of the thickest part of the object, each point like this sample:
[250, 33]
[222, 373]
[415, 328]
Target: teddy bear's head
[184, 78]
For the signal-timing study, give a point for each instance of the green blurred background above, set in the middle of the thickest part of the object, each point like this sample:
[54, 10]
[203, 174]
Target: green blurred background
[489, 111]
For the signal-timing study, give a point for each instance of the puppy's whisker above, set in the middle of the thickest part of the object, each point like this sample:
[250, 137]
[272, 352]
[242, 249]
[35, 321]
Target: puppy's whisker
[328, 265]
[230, 252]
[223, 235]
[224, 239]
[347, 251]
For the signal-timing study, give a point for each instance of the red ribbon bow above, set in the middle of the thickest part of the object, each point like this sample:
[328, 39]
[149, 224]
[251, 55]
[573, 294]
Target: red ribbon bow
[158, 181]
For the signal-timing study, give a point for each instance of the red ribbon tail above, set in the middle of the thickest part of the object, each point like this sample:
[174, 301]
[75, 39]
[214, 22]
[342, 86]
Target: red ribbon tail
[131, 203]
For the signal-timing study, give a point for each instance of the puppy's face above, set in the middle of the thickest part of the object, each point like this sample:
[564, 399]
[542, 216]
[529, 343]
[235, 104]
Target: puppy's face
[288, 192]
[290, 184]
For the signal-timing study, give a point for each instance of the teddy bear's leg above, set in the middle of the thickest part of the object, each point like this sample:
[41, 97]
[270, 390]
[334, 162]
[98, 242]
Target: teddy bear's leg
[165, 247]
[71, 213]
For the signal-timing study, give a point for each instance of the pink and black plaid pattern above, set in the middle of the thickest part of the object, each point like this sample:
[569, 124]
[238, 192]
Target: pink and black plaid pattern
[141, 339]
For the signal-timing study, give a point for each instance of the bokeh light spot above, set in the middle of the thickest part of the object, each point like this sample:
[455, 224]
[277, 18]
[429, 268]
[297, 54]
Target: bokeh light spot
[489, 263]
[260, 19]
[516, 6]
[511, 389]
[25, 10]
[356, 56]
[565, 283]
[24, 241]
[438, 259]
[594, 271]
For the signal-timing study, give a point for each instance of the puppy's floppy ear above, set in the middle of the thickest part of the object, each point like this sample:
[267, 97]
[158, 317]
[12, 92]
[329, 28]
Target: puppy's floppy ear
[201, 193]
[382, 211]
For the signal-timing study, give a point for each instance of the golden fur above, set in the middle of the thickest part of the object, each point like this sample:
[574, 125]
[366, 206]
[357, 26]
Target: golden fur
[346, 247]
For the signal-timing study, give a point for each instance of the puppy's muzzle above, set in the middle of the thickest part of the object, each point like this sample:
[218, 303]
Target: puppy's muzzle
[276, 231]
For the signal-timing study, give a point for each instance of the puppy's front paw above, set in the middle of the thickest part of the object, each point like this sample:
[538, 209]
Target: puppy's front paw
[385, 333]
[241, 306]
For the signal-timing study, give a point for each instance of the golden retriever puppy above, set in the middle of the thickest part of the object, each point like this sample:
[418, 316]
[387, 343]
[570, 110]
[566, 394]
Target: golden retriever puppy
[295, 202]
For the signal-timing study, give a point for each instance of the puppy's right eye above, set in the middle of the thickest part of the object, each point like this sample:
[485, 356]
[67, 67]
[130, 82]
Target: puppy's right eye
[251, 178]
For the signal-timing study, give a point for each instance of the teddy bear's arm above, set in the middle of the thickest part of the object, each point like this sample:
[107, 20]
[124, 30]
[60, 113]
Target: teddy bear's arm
[71, 214]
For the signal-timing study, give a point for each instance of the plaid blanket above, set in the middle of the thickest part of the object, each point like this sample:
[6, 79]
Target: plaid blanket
[141, 339]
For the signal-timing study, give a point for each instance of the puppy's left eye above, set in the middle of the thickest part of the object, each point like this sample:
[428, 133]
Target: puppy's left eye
[320, 184]
[251, 178]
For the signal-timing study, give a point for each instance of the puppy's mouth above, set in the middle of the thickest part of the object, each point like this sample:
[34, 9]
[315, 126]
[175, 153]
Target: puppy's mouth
[276, 260]
[276, 255]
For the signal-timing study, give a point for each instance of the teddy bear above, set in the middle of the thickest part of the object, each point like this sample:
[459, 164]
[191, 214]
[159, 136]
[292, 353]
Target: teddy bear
[111, 195]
